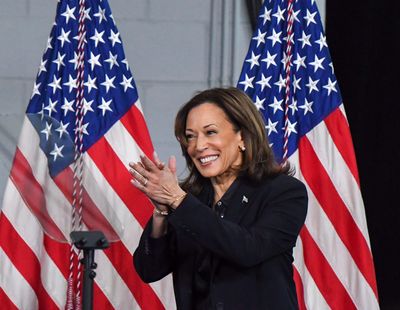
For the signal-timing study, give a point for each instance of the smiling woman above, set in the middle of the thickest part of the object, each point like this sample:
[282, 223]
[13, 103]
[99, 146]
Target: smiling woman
[228, 230]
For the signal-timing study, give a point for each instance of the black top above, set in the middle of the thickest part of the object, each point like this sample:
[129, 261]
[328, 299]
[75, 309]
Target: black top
[203, 264]
[236, 257]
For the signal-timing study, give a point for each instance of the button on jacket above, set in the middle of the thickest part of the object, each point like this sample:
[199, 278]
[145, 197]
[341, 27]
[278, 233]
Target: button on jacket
[236, 258]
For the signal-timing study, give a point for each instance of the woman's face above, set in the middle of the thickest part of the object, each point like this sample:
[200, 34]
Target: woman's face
[213, 144]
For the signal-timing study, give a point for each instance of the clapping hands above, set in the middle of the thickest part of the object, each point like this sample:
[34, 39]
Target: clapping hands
[158, 181]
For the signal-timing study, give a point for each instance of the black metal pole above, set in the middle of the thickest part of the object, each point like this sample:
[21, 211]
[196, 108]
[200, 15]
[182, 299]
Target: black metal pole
[88, 241]
[88, 276]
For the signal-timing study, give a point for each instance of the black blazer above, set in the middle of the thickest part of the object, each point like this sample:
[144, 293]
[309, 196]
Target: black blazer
[251, 245]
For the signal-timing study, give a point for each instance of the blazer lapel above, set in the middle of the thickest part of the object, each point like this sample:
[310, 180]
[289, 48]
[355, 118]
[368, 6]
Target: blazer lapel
[240, 201]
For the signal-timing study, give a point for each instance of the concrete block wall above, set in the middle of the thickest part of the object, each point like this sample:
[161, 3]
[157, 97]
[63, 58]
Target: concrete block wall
[174, 48]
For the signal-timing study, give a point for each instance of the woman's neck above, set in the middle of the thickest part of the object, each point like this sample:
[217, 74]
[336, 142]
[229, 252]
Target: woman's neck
[221, 185]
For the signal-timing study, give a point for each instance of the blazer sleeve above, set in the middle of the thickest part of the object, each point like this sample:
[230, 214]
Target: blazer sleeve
[153, 258]
[281, 214]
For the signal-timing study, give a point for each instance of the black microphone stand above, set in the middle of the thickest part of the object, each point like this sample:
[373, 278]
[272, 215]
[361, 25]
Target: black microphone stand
[88, 241]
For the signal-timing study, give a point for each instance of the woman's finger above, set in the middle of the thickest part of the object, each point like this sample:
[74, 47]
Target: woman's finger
[138, 185]
[147, 163]
[139, 168]
[160, 165]
[139, 177]
[172, 164]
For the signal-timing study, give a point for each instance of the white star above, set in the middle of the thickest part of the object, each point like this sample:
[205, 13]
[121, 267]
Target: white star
[101, 15]
[291, 38]
[259, 103]
[317, 63]
[47, 130]
[275, 37]
[279, 15]
[35, 90]
[57, 151]
[41, 112]
[330, 86]
[276, 105]
[248, 82]
[296, 83]
[270, 59]
[71, 83]
[312, 85]
[59, 61]
[64, 37]
[125, 61]
[333, 70]
[91, 83]
[286, 60]
[67, 106]
[300, 62]
[48, 46]
[69, 13]
[62, 129]
[307, 106]
[114, 37]
[112, 60]
[105, 106]
[87, 106]
[55, 84]
[264, 81]
[310, 17]
[293, 106]
[127, 83]
[97, 37]
[42, 67]
[87, 16]
[253, 60]
[281, 83]
[305, 39]
[271, 127]
[77, 38]
[260, 37]
[108, 83]
[295, 13]
[75, 60]
[266, 15]
[51, 107]
[291, 128]
[94, 60]
[321, 41]
[82, 129]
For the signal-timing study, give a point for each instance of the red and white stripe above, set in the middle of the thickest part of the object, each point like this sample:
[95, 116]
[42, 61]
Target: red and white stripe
[333, 261]
[34, 268]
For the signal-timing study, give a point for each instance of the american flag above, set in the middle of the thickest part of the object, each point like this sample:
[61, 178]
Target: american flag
[289, 74]
[35, 220]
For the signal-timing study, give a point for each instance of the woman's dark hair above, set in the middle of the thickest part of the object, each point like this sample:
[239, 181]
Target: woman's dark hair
[258, 158]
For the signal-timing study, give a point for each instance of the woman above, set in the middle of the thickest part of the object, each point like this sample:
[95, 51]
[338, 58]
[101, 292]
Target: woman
[228, 230]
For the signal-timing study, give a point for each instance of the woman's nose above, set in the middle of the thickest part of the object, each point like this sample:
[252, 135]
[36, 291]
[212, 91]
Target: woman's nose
[201, 143]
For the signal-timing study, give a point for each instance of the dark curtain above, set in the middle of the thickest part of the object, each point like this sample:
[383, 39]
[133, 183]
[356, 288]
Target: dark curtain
[363, 37]
[253, 9]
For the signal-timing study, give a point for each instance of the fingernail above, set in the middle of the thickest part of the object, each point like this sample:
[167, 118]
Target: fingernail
[135, 182]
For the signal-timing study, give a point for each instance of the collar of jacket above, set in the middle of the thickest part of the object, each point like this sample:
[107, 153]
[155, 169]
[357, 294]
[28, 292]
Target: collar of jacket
[236, 203]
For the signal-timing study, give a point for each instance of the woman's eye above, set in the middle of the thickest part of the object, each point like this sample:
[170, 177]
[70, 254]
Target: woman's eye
[189, 137]
[211, 132]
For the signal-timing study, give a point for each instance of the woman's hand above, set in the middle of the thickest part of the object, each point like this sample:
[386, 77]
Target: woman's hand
[158, 182]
